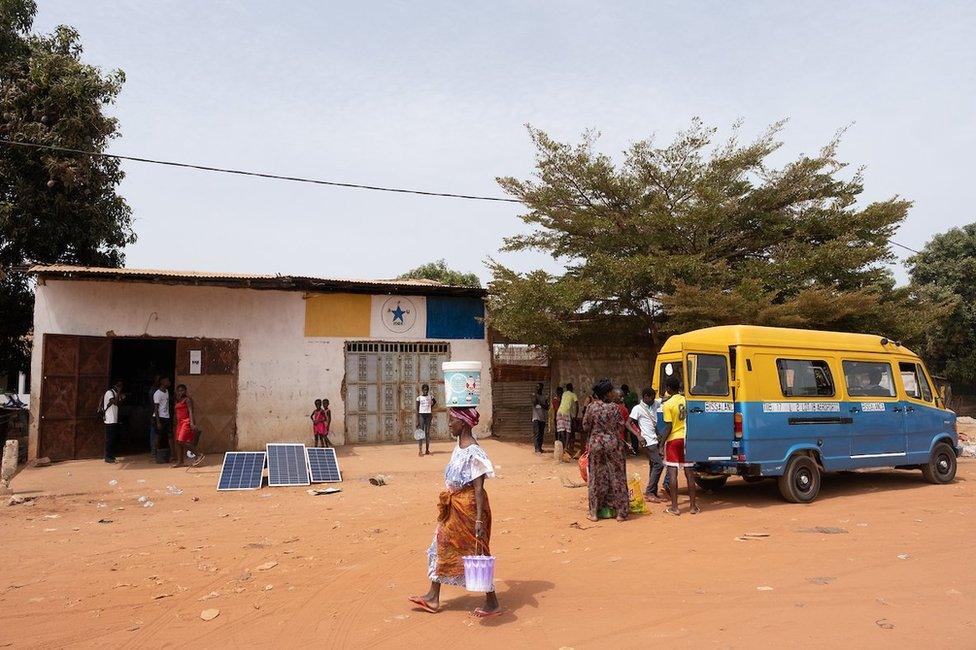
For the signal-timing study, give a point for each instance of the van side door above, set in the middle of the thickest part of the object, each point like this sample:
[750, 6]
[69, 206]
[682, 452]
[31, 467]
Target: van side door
[708, 391]
[877, 426]
[922, 419]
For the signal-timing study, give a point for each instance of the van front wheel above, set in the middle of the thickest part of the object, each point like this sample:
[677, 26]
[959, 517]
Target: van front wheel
[941, 467]
[800, 483]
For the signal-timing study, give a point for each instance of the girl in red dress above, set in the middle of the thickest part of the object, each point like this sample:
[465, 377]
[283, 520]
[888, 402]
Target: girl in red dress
[183, 432]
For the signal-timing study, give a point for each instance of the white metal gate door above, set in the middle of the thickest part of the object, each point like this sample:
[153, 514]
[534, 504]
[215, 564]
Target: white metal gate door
[421, 364]
[382, 384]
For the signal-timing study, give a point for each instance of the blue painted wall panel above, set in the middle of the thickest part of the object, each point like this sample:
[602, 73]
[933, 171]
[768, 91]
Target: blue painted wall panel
[455, 318]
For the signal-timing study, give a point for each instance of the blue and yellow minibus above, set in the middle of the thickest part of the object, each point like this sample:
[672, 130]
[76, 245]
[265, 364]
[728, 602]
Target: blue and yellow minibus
[793, 404]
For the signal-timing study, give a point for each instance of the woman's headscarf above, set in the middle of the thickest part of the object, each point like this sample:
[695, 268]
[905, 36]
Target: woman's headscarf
[602, 388]
[469, 416]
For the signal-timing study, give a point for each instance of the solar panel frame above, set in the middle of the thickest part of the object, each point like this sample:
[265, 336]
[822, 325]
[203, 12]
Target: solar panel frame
[314, 464]
[239, 484]
[299, 455]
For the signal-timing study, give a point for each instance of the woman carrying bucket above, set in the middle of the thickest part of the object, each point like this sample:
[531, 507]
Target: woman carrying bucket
[464, 522]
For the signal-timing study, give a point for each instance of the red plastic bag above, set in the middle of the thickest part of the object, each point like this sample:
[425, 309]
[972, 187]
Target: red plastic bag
[584, 466]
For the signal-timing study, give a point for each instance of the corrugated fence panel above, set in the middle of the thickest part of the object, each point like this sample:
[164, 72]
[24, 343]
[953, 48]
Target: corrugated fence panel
[513, 408]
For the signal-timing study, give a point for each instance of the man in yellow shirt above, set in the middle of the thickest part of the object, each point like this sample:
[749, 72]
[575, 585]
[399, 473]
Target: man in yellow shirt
[567, 412]
[675, 420]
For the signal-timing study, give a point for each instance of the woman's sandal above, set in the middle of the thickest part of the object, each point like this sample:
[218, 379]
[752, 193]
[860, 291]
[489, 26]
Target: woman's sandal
[483, 614]
[422, 604]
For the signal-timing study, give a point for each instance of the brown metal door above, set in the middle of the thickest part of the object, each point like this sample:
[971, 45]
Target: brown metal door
[75, 377]
[214, 390]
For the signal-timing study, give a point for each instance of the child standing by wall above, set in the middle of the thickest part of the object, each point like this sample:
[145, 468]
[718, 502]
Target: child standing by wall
[319, 428]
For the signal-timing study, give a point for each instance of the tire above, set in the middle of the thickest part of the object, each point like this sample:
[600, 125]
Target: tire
[800, 483]
[711, 483]
[941, 467]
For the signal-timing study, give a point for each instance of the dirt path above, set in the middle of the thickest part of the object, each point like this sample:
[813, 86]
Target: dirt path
[347, 562]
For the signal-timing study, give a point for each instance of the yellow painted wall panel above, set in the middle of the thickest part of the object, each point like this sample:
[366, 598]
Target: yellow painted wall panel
[337, 314]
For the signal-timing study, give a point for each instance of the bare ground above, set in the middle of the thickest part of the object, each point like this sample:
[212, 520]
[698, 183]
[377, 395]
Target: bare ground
[894, 567]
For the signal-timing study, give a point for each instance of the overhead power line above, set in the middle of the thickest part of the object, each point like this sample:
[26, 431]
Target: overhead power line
[296, 179]
[240, 172]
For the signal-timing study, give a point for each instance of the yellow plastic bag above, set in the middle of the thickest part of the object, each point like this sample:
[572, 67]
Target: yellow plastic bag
[637, 504]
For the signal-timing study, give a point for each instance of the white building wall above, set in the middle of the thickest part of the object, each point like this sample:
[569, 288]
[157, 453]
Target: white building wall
[280, 371]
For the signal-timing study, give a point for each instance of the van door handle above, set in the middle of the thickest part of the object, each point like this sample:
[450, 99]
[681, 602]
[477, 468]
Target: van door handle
[854, 409]
[897, 409]
[910, 409]
[697, 409]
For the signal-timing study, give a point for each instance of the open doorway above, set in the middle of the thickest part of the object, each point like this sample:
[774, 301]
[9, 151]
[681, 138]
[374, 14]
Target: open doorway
[138, 363]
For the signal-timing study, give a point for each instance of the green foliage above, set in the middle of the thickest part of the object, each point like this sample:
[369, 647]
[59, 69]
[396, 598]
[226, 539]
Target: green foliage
[54, 207]
[438, 272]
[690, 235]
[945, 270]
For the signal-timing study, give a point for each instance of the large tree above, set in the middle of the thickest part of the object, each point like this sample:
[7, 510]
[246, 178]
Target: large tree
[439, 272]
[55, 207]
[692, 234]
[946, 270]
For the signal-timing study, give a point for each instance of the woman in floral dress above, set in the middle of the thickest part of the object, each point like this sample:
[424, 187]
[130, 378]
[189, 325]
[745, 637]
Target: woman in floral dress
[463, 516]
[607, 465]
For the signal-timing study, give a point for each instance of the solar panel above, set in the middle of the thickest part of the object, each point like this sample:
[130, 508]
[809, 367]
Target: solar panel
[323, 465]
[287, 464]
[241, 470]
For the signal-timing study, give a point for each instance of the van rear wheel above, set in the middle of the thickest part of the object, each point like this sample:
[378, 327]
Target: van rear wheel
[711, 483]
[800, 483]
[941, 467]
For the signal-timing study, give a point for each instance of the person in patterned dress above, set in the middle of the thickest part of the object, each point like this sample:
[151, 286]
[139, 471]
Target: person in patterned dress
[463, 516]
[607, 464]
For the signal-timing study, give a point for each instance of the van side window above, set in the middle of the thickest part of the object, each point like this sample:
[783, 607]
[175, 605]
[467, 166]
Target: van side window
[708, 374]
[868, 379]
[914, 381]
[805, 378]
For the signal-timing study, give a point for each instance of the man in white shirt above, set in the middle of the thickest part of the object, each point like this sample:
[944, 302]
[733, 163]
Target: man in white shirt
[425, 411]
[161, 415]
[643, 423]
[110, 416]
[540, 408]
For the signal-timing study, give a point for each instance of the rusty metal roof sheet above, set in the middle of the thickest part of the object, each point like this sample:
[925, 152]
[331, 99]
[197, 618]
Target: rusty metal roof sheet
[251, 281]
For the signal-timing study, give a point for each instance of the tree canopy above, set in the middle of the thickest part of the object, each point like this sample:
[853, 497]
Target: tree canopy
[946, 270]
[439, 272]
[54, 207]
[693, 234]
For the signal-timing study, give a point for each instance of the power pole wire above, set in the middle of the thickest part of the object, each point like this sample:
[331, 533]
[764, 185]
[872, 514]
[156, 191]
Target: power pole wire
[239, 172]
[297, 179]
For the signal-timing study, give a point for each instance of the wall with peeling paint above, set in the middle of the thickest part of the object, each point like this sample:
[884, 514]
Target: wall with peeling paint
[280, 372]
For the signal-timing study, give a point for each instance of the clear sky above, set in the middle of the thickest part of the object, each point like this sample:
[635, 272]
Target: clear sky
[435, 95]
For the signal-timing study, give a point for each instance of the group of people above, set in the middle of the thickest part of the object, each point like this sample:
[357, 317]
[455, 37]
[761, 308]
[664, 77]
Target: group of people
[321, 423]
[607, 422]
[612, 423]
[182, 437]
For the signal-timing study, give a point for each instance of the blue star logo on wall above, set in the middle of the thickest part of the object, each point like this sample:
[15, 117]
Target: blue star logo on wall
[398, 314]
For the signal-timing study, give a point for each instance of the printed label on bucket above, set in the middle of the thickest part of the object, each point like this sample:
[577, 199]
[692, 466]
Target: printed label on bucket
[462, 389]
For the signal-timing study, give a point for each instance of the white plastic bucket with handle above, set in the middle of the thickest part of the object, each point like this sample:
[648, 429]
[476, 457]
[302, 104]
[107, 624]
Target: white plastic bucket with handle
[462, 383]
[479, 573]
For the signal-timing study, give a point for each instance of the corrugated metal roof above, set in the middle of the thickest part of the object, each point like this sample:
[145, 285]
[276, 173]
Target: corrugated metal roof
[245, 280]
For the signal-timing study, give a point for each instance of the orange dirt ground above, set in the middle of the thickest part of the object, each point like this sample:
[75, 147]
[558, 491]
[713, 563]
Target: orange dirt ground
[902, 573]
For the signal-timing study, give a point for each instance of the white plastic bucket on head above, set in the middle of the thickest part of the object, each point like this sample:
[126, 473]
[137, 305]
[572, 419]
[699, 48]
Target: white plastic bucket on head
[462, 383]
[479, 573]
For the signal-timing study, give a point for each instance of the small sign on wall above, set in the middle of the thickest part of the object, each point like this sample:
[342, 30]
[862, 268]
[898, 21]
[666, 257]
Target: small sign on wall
[196, 364]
